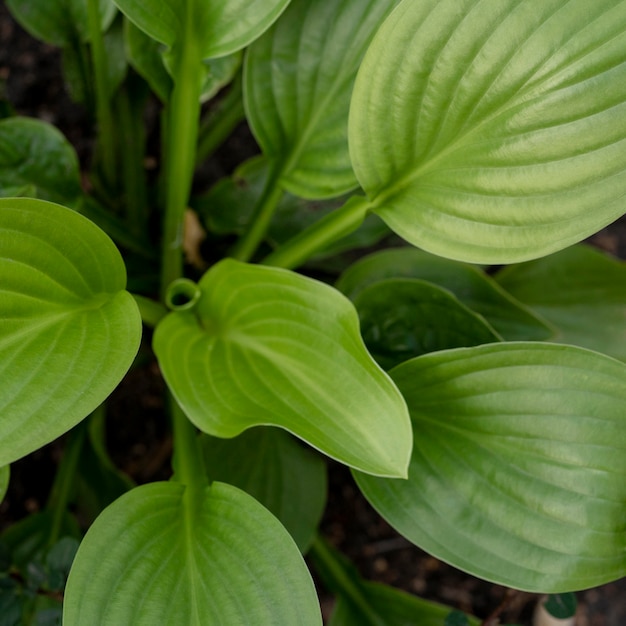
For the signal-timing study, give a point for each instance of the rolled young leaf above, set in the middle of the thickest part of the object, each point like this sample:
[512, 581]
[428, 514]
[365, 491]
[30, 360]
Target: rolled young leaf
[581, 291]
[494, 131]
[297, 86]
[68, 329]
[268, 346]
[161, 555]
[517, 473]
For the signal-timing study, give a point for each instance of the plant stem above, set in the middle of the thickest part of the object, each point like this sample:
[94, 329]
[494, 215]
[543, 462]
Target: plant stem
[64, 480]
[182, 134]
[104, 115]
[221, 121]
[262, 216]
[151, 312]
[337, 579]
[187, 462]
[338, 224]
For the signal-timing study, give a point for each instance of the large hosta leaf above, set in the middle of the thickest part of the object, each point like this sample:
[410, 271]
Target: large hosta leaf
[68, 329]
[278, 471]
[469, 284]
[298, 82]
[581, 291]
[218, 27]
[494, 130]
[268, 346]
[517, 473]
[161, 556]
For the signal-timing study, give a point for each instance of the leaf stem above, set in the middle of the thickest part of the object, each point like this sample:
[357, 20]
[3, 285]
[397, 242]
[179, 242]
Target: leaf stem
[339, 581]
[187, 462]
[151, 312]
[65, 478]
[104, 114]
[262, 216]
[345, 220]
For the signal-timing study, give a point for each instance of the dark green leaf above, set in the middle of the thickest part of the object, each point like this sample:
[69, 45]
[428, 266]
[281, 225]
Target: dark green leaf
[561, 605]
[456, 618]
[59, 561]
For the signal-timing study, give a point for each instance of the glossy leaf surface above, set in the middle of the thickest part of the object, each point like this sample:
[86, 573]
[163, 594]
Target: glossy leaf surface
[218, 27]
[517, 474]
[268, 346]
[214, 557]
[494, 131]
[509, 317]
[37, 158]
[581, 291]
[403, 318]
[278, 471]
[59, 22]
[298, 82]
[68, 329]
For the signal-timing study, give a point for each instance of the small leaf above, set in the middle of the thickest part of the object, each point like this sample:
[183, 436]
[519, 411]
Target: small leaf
[59, 561]
[35, 155]
[284, 476]
[581, 291]
[561, 605]
[456, 618]
[268, 346]
[5, 476]
[297, 85]
[162, 555]
[518, 464]
[219, 27]
[68, 329]
[494, 131]
[469, 284]
[403, 318]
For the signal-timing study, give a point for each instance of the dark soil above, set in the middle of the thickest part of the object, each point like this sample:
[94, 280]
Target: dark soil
[138, 433]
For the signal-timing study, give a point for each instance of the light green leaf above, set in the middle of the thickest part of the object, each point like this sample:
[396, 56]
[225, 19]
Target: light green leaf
[284, 476]
[5, 476]
[403, 318]
[218, 28]
[159, 555]
[509, 317]
[266, 346]
[68, 329]
[36, 157]
[517, 473]
[581, 291]
[59, 22]
[298, 81]
[494, 131]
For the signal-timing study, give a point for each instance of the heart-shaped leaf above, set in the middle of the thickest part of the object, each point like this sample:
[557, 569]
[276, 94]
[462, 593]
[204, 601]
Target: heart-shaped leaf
[403, 318]
[517, 473]
[218, 27]
[469, 284]
[35, 156]
[493, 131]
[68, 329]
[297, 86]
[278, 471]
[581, 291]
[267, 346]
[159, 555]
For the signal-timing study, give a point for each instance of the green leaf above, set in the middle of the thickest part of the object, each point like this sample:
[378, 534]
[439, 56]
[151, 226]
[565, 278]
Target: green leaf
[35, 156]
[116, 62]
[456, 618]
[493, 131]
[517, 473]
[510, 318]
[59, 562]
[5, 477]
[58, 22]
[284, 476]
[297, 85]
[581, 291]
[403, 318]
[562, 605]
[162, 555]
[218, 28]
[68, 329]
[229, 205]
[268, 346]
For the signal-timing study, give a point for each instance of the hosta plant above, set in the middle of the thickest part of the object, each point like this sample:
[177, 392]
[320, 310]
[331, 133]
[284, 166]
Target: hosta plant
[481, 409]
